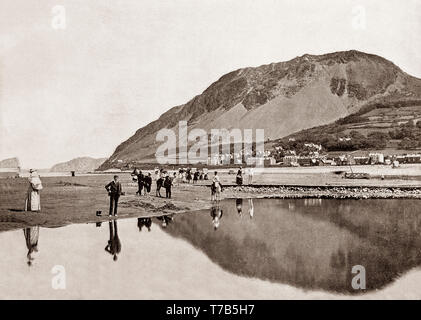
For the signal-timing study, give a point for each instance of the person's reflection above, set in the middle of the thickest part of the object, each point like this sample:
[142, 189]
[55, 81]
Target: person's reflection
[165, 220]
[114, 245]
[216, 214]
[239, 205]
[144, 222]
[31, 237]
[251, 208]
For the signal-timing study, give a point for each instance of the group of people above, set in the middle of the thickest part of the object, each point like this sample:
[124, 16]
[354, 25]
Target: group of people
[162, 178]
[144, 182]
[188, 176]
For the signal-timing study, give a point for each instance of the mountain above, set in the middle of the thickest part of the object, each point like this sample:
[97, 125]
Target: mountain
[82, 164]
[281, 98]
[10, 163]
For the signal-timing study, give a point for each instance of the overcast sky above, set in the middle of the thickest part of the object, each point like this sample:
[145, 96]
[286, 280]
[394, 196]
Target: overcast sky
[117, 65]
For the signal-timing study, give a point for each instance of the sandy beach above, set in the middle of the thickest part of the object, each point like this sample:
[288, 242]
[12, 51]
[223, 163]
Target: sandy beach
[66, 200]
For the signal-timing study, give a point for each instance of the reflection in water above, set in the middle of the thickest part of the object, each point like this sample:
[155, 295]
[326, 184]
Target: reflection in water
[314, 246]
[239, 206]
[216, 214]
[113, 246]
[144, 222]
[251, 208]
[313, 202]
[165, 220]
[311, 245]
[31, 238]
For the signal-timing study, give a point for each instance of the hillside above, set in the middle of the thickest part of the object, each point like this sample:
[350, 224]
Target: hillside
[281, 98]
[395, 126]
[82, 164]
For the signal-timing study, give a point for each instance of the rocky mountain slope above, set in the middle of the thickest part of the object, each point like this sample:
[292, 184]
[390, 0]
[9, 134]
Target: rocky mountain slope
[281, 98]
[82, 164]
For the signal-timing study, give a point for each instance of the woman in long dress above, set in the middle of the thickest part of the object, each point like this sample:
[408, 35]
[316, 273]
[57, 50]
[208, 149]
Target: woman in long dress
[250, 175]
[33, 200]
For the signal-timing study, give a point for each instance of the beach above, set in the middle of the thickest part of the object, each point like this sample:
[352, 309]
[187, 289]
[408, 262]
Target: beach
[67, 200]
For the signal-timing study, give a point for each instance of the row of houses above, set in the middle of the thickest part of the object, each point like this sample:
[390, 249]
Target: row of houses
[259, 158]
[315, 159]
[342, 160]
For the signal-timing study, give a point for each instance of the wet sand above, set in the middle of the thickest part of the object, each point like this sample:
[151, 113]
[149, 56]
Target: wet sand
[66, 200]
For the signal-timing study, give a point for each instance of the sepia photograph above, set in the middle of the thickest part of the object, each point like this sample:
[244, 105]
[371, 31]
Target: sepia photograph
[210, 150]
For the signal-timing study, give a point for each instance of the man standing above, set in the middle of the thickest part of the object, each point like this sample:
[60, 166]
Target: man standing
[147, 183]
[159, 183]
[114, 191]
[140, 183]
[239, 178]
[167, 186]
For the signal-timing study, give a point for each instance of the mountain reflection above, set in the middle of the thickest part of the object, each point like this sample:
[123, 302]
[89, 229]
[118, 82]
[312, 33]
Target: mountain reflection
[309, 244]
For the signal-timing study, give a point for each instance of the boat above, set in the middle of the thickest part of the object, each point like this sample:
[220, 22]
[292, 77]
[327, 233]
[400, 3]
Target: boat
[356, 175]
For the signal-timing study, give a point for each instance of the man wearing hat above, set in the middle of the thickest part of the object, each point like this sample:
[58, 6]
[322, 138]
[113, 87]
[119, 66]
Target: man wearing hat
[114, 191]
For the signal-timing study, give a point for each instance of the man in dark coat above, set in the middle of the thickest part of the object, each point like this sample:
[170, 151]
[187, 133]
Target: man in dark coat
[159, 183]
[188, 175]
[196, 176]
[114, 191]
[140, 183]
[147, 180]
[239, 178]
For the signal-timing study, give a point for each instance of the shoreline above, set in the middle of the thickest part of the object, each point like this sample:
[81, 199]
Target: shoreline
[325, 192]
[72, 200]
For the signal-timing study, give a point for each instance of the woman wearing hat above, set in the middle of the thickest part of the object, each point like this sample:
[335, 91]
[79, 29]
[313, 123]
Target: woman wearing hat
[33, 199]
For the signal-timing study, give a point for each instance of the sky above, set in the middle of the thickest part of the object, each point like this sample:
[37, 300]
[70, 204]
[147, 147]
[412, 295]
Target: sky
[81, 85]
